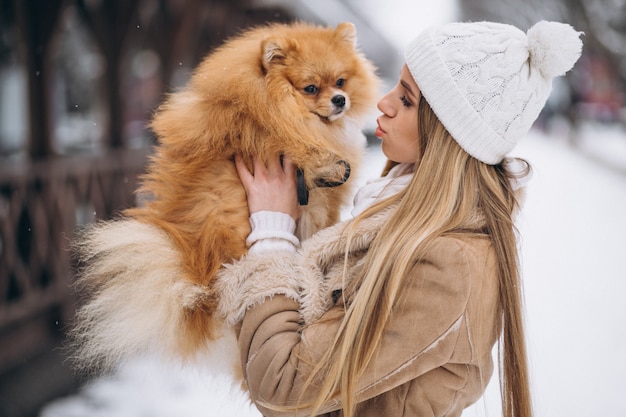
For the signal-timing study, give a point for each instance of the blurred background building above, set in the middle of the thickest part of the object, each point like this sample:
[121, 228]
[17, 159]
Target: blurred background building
[79, 80]
[595, 89]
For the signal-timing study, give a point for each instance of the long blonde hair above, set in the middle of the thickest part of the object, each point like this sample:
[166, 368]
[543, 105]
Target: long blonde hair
[448, 186]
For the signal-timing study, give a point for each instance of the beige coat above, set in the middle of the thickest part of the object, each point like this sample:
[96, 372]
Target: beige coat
[436, 353]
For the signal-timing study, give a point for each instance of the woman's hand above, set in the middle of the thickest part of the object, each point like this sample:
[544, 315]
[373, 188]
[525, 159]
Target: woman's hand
[272, 187]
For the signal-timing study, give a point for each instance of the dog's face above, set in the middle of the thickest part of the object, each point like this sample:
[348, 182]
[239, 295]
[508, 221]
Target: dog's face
[323, 69]
[325, 98]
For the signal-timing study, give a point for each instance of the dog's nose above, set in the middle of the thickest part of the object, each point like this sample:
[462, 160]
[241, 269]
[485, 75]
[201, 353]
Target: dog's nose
[338, 100]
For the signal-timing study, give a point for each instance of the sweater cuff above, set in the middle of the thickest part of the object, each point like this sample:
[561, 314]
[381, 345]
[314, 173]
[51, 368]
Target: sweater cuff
[272, 230]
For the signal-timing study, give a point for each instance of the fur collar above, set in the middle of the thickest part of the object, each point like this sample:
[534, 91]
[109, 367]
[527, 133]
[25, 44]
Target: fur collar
[308, 276]
[324, 247]
[301, 276]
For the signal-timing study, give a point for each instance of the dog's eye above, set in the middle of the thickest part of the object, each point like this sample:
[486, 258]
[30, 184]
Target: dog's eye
[340, 82]
[311, 89]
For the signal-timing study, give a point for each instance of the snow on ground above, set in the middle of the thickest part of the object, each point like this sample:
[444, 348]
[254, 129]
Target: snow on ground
[574, 262]
[146, 387]
[574, 267]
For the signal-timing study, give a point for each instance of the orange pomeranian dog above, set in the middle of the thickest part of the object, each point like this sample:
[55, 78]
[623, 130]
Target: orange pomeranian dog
[297, 90]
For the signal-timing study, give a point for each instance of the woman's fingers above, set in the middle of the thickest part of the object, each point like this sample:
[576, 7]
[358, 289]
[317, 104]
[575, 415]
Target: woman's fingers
[271, 187]
[288, 167]
[274, 166]
[245, 175]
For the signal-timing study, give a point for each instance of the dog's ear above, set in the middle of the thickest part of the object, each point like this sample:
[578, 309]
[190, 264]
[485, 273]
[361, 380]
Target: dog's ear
[347, 32]
[273, 51]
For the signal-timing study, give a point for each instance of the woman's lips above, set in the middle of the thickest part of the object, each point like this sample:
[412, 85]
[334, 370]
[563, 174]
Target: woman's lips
[379, 130]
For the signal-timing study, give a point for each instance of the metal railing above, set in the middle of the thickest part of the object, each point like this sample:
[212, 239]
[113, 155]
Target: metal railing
[41, 206]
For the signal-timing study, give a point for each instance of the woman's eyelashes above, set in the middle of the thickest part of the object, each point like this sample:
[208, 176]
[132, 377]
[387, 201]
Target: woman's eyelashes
[405, 101]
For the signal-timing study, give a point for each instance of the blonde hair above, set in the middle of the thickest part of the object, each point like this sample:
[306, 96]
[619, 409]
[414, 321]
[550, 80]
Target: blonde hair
[448, 187]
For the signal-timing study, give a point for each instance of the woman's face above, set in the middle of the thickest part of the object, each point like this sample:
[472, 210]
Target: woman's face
[397, 126]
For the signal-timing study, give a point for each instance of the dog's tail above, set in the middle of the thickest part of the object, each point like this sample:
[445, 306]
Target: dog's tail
[135, 299]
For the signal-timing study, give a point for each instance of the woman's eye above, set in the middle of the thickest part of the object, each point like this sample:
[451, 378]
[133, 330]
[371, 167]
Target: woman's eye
[340, 82]
[311, 89]
[405, 101]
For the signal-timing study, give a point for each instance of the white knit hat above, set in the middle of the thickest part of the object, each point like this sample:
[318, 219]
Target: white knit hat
[487, 82]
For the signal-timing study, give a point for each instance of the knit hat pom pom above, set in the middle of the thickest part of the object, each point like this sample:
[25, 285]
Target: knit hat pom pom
[554, 47]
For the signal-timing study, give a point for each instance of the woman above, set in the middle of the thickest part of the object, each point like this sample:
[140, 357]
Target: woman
[396, 312]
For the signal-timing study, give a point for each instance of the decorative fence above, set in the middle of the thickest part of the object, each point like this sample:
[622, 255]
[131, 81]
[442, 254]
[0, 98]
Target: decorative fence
[42, 204]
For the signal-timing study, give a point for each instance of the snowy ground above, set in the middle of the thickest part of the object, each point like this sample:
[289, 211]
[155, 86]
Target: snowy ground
[574, 263]
[574, 267]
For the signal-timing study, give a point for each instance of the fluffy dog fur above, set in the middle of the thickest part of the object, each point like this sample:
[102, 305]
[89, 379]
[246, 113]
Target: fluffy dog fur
[296, 90]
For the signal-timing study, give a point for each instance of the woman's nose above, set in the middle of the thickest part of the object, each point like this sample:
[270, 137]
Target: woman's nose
[384, 105]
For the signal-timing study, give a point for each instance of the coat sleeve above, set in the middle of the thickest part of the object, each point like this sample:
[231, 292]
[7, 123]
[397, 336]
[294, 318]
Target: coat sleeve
[277, 353]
